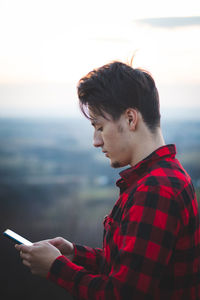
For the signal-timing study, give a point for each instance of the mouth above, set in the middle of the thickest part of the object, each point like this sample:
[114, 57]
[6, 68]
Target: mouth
[106, 153]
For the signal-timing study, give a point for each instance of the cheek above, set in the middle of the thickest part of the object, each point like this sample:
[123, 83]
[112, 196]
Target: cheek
[115, 140]
[124, 150]
[109, 138]
[119, 147]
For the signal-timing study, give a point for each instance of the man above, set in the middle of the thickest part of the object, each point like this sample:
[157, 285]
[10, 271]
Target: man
[151, 244]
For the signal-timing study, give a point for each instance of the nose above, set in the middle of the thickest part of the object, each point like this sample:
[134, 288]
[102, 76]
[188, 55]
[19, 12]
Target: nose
[97, 139]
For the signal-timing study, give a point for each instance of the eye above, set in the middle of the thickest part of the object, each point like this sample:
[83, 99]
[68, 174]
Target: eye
[100, 129]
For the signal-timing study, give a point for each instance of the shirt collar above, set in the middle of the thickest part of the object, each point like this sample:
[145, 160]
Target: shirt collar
[132, 173]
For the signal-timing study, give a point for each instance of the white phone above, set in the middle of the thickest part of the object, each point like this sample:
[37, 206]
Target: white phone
[16, 237]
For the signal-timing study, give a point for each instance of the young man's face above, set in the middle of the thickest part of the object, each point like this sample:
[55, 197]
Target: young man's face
[113, 138]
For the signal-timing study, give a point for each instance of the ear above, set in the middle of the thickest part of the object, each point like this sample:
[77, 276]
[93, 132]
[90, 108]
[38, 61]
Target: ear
[132, 118]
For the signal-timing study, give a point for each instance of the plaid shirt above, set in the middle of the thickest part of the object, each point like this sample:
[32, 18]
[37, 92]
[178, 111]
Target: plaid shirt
[151, 246]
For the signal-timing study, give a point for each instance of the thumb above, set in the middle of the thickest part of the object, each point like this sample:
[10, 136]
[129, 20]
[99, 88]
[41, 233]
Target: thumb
[22, 247]
[18, 247]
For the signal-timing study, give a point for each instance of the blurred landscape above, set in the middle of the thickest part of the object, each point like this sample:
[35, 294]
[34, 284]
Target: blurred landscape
[53, 183]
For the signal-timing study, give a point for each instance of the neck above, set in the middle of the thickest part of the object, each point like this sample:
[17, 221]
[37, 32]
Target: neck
[146, 144]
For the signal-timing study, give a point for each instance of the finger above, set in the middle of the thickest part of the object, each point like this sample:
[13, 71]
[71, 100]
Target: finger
[25, 248]
[56, 241]
[18, 247]
[26, 263]
[25, 256]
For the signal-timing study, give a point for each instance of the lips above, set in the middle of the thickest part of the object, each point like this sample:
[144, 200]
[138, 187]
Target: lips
[106, 153]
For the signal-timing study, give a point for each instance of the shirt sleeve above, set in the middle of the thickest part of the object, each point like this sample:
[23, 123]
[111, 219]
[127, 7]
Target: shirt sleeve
[142, 247]
[90, 258]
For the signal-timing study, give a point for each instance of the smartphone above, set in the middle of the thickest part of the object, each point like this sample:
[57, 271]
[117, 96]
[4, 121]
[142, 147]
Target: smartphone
[16, 237]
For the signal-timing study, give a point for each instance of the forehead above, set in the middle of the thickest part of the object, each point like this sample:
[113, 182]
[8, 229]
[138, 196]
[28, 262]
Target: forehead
[96, 118]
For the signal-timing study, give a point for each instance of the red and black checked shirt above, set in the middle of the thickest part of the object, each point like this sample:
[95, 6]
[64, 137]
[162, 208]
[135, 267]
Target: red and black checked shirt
[151, 247]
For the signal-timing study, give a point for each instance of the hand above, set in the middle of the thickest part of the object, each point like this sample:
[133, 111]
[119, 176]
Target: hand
[64, 246]
[38, 257]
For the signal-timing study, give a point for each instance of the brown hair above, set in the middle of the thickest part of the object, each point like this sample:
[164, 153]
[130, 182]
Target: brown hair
[115, 87]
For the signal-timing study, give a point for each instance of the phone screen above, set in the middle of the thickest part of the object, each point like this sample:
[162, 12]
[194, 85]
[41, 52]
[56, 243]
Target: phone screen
[16, 237]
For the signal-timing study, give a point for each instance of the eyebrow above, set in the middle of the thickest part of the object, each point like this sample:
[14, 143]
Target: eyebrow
[94, 122]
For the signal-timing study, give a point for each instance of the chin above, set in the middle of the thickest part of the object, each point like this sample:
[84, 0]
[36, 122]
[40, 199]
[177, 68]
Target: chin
[116, 164]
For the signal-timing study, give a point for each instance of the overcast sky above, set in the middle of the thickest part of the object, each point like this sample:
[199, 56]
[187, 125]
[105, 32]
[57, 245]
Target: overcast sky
[47, 46]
